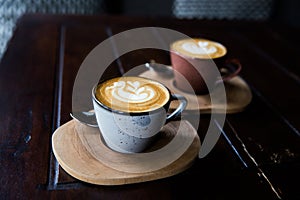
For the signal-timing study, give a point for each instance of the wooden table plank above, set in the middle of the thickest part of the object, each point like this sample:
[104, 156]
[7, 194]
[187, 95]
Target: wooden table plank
[27, 75]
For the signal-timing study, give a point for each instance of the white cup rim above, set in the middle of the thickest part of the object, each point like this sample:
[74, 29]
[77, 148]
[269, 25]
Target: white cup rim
[164, 106]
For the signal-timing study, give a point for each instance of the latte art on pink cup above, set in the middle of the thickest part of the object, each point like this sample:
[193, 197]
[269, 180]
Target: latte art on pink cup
[198, 63]
[199, 48]
[132, 94]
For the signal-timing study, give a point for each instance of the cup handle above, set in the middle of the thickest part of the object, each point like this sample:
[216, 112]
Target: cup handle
[231, 69]
[179, 109]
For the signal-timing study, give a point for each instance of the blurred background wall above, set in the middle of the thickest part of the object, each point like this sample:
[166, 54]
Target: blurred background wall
[276, 11]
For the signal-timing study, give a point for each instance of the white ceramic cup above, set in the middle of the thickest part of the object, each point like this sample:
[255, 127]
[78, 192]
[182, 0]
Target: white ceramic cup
[129, 132]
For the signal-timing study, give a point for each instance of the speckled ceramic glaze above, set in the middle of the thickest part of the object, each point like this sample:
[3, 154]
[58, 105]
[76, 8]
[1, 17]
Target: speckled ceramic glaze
[133, 132]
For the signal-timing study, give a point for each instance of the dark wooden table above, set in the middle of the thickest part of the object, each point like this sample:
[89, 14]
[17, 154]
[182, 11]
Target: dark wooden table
[256, 157]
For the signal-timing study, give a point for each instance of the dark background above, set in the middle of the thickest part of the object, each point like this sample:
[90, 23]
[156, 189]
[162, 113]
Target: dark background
[284, 11]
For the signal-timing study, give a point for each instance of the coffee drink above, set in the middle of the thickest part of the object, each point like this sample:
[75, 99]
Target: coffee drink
[197, 63]
[199, 48]
[131, 111]
[132, 94]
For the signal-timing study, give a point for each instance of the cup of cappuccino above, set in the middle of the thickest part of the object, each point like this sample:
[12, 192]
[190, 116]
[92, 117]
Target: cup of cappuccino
[198, 63]
[131, 111]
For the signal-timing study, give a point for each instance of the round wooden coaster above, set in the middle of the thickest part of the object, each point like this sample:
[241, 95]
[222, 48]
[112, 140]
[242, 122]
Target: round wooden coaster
[82, 153]
[238, 94]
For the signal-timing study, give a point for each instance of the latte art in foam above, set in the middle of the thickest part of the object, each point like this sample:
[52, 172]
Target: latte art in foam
[128, 91]
[198, 48]
[132, 94]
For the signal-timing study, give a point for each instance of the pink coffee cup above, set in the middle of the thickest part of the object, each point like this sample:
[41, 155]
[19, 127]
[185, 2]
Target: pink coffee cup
[200, 64]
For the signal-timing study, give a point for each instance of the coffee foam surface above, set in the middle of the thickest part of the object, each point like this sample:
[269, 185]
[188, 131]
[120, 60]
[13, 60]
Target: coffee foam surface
[132, 94]
[199, 48]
